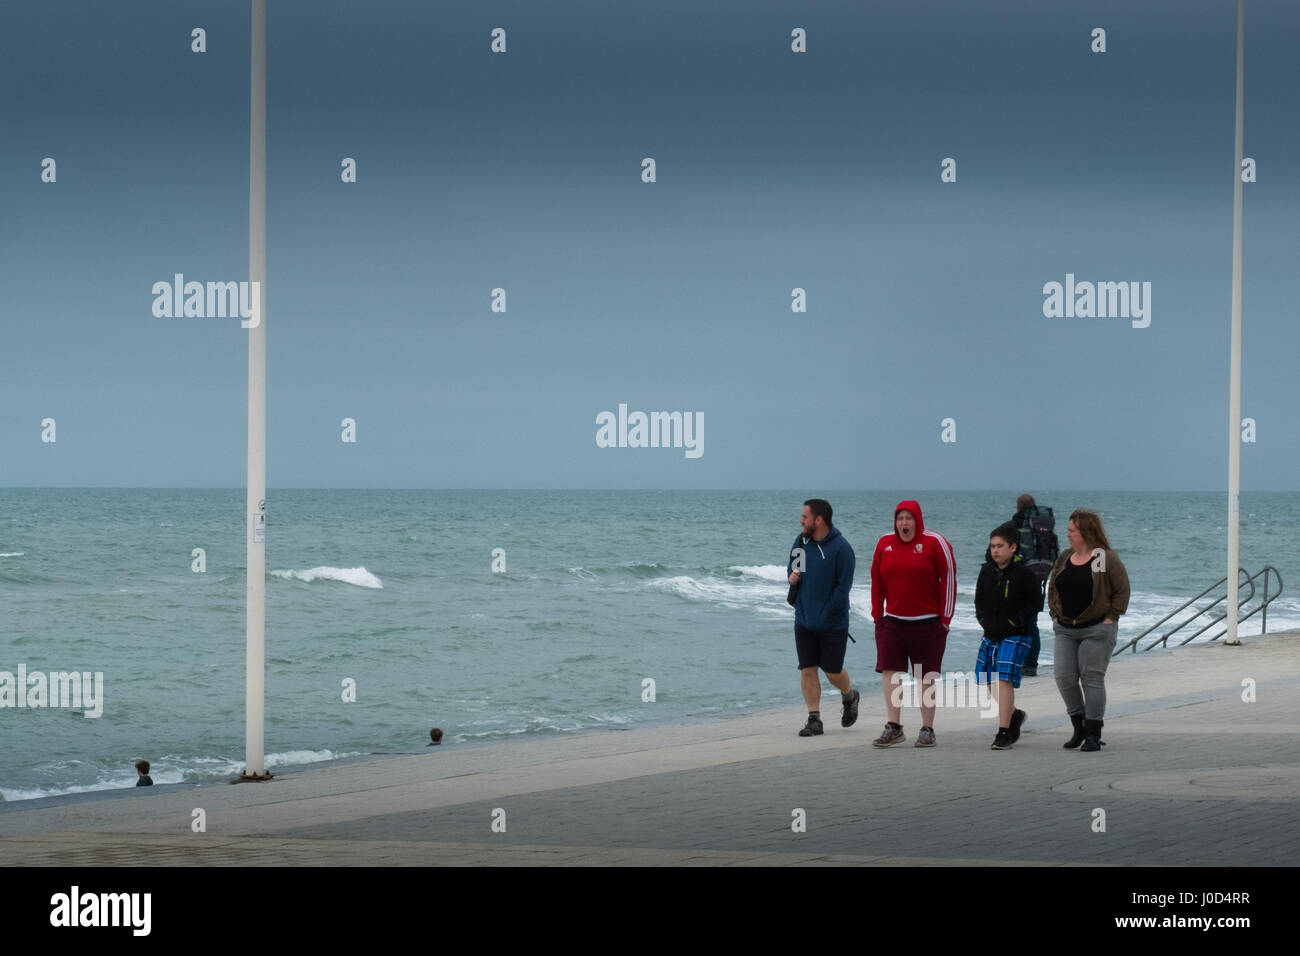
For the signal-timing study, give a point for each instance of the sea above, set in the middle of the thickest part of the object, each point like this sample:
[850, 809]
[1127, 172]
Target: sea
[385, 616]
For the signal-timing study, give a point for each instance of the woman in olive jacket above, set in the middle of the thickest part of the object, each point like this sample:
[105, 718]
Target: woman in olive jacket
[1087, 592]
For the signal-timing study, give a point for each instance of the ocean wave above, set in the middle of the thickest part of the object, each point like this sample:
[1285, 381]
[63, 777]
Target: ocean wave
[714, 592]
[12, 554]
[358, 576]
[768, 572]
[547, 725]
[755, 589]
[173, 769]
[634, 569]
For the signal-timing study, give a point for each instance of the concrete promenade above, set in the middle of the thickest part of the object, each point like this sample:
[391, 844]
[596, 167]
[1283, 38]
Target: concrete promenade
[1192, 775]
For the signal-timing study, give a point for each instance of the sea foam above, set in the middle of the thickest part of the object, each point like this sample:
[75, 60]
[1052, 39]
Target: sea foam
[358, 576]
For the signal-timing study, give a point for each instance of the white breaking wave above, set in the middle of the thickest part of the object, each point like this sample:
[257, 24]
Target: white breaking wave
[552, 724]
[358, 576]
[211, 769]
[12, 554]
[768, 572]
[762, 589]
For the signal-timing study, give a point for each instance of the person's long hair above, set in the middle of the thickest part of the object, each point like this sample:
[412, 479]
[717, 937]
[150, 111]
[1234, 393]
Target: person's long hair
[1089, 525]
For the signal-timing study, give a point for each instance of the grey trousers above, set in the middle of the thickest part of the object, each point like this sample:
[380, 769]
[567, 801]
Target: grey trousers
[1079, 663]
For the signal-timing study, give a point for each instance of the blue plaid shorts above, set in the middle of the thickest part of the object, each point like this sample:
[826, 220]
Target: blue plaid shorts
[1006, 657]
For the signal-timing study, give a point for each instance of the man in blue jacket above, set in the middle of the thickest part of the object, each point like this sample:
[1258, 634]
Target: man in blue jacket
[820, 571]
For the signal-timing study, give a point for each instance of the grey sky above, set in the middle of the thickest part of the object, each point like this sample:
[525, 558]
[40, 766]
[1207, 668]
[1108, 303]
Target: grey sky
[775, 170]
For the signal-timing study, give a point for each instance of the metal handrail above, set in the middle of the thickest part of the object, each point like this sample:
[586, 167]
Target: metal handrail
[1249, 581]
[1219, 583]
[1263, 605]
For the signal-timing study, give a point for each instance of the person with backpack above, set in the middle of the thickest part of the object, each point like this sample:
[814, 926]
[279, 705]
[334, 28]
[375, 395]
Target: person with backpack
[1038, 548]
[1006, 600]
[1087, 593]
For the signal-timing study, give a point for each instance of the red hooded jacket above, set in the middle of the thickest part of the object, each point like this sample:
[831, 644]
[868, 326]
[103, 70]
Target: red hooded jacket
[913, 579]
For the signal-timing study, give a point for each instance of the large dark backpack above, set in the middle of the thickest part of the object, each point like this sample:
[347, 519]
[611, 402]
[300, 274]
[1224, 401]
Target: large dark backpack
[1038, 545]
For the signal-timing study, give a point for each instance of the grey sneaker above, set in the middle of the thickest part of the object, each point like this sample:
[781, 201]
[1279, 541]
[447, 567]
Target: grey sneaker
[892, 734]
[925, 738]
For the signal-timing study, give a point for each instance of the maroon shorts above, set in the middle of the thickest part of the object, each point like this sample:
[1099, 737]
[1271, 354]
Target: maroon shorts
[905, 645]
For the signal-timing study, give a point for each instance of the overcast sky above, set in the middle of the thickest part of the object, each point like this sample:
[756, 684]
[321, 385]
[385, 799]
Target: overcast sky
[775, 171]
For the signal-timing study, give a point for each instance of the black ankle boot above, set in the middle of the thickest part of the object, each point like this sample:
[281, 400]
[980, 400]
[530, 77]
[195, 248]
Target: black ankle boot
[1079, 735]
[1092, 741]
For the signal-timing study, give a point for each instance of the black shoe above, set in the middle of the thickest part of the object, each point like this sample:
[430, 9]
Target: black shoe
[813, 728]
[849, 710]
[1003, 740]
[1017, 720]
[1029, 671]
[1092, 741]
[1079, 735]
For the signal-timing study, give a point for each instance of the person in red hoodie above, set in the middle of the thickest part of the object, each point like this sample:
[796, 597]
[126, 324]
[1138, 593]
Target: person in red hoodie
[913, 599]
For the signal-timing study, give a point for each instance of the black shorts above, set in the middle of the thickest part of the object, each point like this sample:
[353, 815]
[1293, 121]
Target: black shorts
[824, 649]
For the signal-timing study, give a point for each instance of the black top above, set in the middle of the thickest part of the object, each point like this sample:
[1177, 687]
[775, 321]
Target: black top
[1006, 599]
[1074, 585]
[145, 781]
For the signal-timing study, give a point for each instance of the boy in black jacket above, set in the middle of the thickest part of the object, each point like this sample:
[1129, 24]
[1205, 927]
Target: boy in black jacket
[1006, 602]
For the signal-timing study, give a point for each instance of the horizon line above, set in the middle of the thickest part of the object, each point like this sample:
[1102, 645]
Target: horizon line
[1000, 490]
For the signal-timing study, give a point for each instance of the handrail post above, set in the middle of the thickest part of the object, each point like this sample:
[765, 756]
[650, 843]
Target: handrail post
[1263, 617]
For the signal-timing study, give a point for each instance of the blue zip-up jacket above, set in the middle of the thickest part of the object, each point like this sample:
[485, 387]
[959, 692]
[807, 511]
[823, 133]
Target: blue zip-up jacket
[822, 603]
